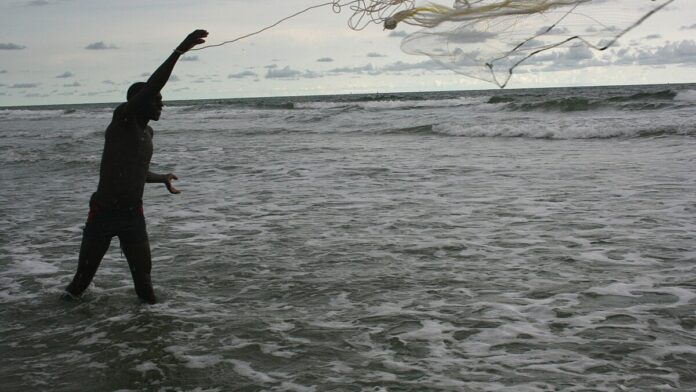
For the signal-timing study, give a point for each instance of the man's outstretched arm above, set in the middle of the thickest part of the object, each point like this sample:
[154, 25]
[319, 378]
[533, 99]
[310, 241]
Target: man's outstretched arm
[165, 179]
[160, 77]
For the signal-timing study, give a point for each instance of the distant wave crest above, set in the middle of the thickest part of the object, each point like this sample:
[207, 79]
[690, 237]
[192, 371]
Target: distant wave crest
[686, 96]
[552, 131]
[638, 101]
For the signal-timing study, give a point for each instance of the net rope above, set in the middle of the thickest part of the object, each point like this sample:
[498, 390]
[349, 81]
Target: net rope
[364, 13]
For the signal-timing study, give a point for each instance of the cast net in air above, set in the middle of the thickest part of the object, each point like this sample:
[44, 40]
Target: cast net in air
[491, 39]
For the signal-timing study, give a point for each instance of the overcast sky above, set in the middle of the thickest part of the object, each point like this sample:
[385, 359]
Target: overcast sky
[78, 51]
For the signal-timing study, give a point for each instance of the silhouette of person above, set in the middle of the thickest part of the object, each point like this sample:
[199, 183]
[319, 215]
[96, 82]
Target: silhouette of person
[116, 208]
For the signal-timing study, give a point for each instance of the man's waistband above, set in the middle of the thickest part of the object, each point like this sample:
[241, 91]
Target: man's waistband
[115, 205]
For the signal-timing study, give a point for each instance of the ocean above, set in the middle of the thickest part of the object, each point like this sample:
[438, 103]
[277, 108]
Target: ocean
[499, 240]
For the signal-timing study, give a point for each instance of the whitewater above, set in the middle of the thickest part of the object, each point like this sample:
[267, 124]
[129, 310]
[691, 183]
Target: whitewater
[499, 240]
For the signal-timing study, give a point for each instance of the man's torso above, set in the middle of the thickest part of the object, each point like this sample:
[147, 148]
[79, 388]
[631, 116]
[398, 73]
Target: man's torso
[124, 165]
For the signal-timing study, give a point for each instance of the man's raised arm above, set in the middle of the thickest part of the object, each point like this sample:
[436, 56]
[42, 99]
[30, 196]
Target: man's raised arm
[160, 77]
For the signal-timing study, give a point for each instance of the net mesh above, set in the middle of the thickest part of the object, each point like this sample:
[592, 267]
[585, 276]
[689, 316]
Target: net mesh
[489, 40]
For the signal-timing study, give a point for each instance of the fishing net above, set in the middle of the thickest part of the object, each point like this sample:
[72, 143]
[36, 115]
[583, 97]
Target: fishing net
[490, 39]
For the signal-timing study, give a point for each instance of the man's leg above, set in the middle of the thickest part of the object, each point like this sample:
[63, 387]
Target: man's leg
[91, 254]
[140, 263]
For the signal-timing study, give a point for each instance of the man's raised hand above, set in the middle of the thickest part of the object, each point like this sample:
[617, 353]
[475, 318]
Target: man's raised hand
[193, 39]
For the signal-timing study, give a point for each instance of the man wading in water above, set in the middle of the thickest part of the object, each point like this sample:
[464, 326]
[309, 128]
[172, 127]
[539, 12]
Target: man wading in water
[116, 208]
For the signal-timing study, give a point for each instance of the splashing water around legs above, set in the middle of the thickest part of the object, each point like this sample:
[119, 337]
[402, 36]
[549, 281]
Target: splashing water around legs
[489, 39]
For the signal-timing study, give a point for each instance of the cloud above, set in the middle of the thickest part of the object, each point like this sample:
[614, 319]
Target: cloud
[358, 70]
[471, 37]
[532, 44]
[11, 46]
[241, 75]
[25, 85]
[400, 66]
[275, 72]
[375, 55]
[398, 34]
[325, 60]
[578, 53]
[38, 3]
[173, 78]
[574, 57]
[3, 71]
[683, 52]
[580, 56]
[100, 46]
[189, 58]
[558, 30]
[74, 84]
[289, 73]
[65, 75]
[110, 82]
[653, 36]
[692, 27]
[90, 94]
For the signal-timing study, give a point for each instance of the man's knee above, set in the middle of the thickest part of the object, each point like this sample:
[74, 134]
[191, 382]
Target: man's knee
[137, 253]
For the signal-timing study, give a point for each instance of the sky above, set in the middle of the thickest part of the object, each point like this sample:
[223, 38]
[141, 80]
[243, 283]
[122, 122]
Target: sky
[90, 51]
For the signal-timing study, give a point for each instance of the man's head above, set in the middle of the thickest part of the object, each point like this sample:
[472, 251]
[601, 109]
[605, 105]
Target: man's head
[152, 108]
[134, 89]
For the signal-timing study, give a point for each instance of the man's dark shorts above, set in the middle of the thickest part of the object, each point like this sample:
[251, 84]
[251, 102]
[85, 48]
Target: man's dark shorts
[127, 224]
